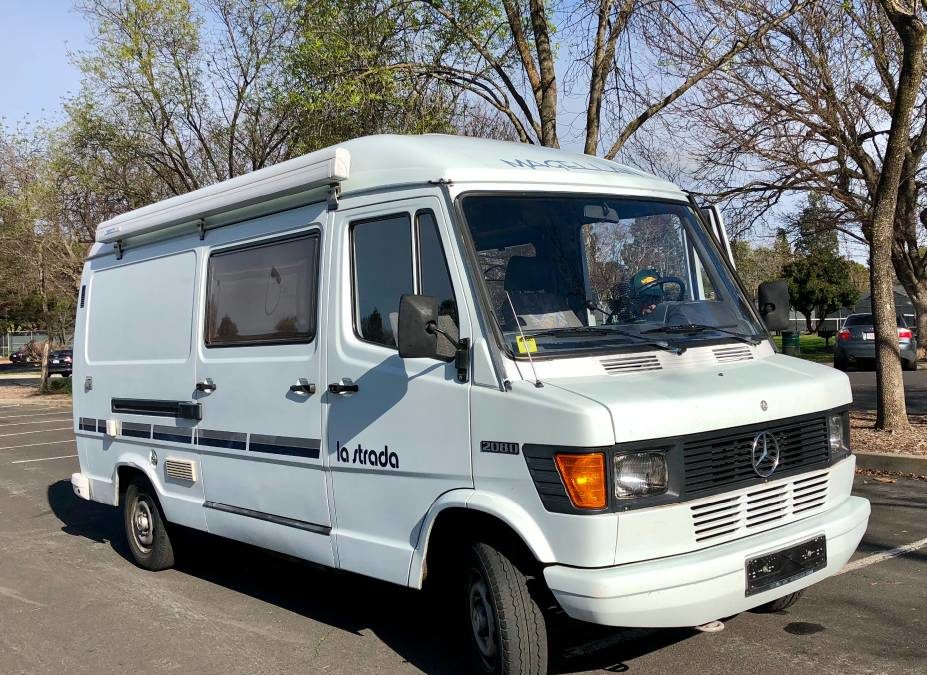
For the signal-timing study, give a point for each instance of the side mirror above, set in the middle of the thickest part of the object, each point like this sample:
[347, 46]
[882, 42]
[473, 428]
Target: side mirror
[417, 316]
[773, 301]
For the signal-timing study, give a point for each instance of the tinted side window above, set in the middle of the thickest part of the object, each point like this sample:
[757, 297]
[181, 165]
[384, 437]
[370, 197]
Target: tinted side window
[382, 274]
[266, 293]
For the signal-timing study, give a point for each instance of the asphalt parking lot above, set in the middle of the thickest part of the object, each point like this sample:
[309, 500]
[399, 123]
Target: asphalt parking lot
[70, 601]
[915, 390]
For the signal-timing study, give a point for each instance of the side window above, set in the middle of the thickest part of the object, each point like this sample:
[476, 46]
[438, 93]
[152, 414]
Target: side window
[382, 274]
[435, 279]
[263, 293]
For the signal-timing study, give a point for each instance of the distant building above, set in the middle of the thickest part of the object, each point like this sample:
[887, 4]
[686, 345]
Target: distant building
[834, 320]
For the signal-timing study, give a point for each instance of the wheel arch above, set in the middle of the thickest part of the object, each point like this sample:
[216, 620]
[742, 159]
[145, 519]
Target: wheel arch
[471, 511]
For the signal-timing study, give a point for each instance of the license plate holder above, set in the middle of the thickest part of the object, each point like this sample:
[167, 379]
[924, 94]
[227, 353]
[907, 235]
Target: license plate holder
[778, 568]
[868, 336]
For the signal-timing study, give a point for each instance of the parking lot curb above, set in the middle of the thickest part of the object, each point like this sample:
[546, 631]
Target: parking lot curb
[877, 461]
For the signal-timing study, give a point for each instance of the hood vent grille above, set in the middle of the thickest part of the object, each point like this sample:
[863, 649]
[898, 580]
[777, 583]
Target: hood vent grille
[179, 469]
[635, 363]
[733, 353]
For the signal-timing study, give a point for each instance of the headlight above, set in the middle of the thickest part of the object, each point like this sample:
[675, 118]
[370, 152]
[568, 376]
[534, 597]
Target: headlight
[640, 474]
[837, 439]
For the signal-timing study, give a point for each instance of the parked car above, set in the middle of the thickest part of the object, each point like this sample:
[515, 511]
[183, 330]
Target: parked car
[22, 357]
[856, 343]
[59, 362]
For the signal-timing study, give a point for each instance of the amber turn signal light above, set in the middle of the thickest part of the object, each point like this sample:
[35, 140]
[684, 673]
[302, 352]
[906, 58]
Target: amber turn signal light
[584, 478]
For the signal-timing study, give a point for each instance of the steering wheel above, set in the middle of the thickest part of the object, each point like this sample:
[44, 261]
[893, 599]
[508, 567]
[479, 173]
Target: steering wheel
[661, 282]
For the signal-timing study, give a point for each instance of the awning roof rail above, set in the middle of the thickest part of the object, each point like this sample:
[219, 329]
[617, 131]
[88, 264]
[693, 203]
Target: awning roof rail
[317, 170]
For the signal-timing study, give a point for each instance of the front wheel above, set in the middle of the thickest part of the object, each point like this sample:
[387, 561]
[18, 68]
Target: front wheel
[779, 604]
[507, 627]
[145, 527]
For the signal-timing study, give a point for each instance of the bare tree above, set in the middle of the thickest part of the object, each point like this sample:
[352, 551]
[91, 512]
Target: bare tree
[618, 59]
[821, 105]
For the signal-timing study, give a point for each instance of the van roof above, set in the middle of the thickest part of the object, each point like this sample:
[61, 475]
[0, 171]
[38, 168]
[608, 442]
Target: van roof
[376, 162]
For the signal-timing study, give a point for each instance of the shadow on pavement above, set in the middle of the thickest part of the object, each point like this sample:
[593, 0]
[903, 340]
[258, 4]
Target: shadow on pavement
[414, 624]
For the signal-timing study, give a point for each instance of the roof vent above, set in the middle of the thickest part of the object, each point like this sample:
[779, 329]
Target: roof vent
[732, 353]
[630, 364]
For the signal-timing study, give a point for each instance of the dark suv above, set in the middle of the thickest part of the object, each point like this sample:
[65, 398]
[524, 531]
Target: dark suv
[61, 362]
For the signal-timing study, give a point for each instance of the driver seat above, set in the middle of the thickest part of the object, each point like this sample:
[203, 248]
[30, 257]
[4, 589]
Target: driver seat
[531, 283]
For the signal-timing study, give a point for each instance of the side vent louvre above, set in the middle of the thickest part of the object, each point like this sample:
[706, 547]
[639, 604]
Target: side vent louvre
[732, 354]
[179, 469]
[83, 295]
[630, 364]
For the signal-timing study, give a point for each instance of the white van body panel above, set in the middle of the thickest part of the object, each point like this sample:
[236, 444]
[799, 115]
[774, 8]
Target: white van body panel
[358, 480]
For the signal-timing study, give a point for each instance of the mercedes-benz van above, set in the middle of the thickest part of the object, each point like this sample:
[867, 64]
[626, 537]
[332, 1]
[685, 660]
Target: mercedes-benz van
[530, 372]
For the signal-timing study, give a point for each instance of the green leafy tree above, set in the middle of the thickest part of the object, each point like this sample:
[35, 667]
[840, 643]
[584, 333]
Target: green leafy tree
[819, 284]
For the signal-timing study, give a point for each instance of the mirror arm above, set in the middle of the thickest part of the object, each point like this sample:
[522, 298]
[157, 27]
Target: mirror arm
[462, 353]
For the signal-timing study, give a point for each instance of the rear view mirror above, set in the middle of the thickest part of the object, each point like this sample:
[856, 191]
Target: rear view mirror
[418, 315]
[773, 301]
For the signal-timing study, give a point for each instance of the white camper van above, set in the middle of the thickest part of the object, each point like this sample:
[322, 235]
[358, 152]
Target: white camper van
[409, 357]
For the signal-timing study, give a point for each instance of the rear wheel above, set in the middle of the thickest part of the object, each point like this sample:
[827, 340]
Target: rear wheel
[145, 527]
[779, 604]
[909, 365]
[507, 627]
[840, 364]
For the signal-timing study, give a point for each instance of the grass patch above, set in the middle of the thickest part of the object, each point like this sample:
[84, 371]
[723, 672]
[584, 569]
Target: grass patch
[812, 348]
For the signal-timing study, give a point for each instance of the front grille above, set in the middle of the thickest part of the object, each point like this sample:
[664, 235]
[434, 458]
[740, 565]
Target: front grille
[756, 510]
[723, 460]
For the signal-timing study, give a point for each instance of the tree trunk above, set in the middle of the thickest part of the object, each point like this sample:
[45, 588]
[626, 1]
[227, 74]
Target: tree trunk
[891, 414]
[808, 326]
[43, 383]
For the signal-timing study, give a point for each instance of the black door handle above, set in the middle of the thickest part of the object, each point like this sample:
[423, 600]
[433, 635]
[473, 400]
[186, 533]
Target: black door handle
[338, 388]
[303, 388]
[206, 385]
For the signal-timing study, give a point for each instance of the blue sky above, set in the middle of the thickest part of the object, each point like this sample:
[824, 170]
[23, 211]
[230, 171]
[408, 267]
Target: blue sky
[35, 68]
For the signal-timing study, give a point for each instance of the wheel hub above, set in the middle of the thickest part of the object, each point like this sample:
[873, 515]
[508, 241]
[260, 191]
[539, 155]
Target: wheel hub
[482, 618]
[141, 525]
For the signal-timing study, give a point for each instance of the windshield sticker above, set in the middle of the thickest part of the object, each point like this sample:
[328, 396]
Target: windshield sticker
[563, 164]
[384, 458]
[499, 447]
[526, 345]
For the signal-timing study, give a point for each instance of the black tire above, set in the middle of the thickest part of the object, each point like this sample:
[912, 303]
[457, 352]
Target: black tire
[779, 604]
[145, 527]
[508, 633]
[909, 365]
[840, 364]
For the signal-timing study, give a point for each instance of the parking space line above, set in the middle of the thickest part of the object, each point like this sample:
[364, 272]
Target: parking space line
[884, 555]
[40, 431]
[41, 459]
[33, 445]
[19, 424]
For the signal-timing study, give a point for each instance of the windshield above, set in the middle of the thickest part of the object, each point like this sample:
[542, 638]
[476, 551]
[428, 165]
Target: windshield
[567, 273]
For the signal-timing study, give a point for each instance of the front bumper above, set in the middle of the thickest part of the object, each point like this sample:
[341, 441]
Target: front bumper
[81, 485]
[694, 588]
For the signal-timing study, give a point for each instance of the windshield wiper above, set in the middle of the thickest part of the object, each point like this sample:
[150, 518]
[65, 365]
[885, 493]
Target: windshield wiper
[700, 327]
[602, 330]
